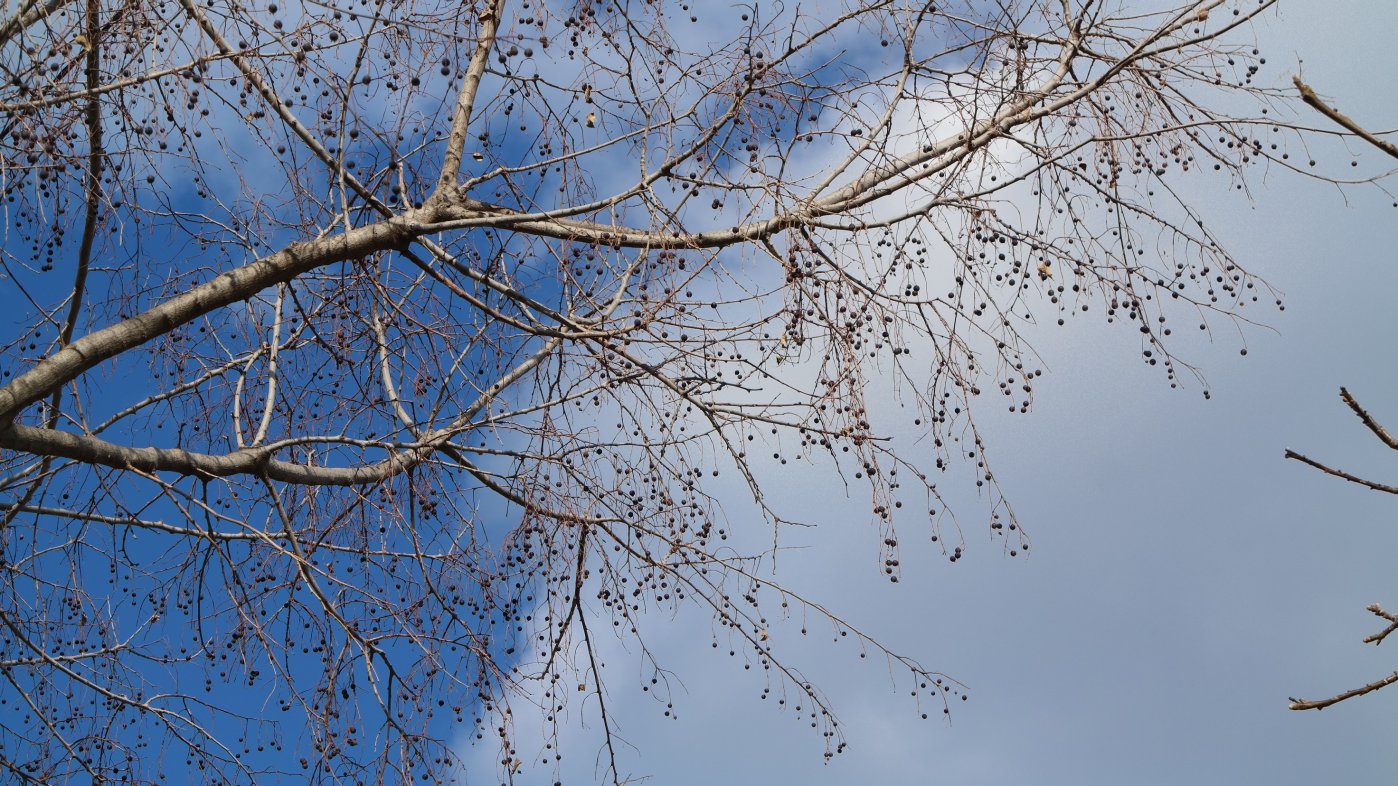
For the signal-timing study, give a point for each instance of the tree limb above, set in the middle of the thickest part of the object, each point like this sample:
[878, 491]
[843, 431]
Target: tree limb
[1309, 96]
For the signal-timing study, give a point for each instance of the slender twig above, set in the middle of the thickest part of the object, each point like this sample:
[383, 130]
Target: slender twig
[1373, 425]
[1291, 454]
[1302, 704]
[1309, 96]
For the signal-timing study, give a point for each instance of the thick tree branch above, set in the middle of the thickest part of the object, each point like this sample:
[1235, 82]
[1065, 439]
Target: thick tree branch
[256, 461]
[28, 14]
[490, 19]
[235, 285]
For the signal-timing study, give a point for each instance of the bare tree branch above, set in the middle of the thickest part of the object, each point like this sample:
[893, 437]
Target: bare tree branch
[1309, 96]
[1369, 422]
[1291, 454]
[1302, 704]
